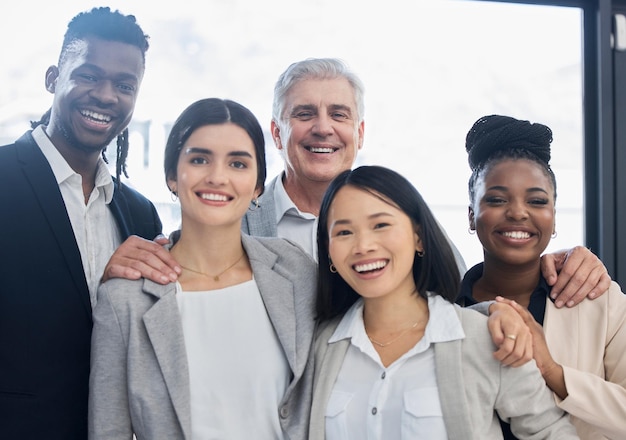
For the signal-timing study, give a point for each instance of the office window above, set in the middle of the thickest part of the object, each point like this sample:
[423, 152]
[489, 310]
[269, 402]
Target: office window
[430, 71]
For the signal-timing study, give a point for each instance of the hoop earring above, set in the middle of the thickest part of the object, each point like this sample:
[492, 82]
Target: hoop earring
[471, 231]
[420, 253]
[554, 234]
[332, 268]
[174, 196]
[256, 204]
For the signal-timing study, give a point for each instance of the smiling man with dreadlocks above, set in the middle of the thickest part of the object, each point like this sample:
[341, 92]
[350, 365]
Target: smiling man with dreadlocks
[63, 216]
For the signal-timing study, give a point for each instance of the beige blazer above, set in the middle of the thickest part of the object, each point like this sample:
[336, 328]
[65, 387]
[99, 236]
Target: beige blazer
[589, 340]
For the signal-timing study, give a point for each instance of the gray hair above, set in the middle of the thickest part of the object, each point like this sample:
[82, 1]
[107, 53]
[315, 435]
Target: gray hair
[316, 68]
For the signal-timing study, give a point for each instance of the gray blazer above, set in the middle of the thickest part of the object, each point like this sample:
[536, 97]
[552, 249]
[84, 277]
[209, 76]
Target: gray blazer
[139, 379]
[261, 221]
[472, 384]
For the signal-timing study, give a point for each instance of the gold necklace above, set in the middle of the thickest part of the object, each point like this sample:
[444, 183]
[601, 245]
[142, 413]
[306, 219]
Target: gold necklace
[385, 344]
[215, 277]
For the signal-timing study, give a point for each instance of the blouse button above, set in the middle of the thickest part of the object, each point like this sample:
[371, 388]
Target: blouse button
[374, 411]
[382, 376]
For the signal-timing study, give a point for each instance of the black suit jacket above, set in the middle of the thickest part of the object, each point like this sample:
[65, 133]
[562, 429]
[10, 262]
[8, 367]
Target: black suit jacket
[45, 311]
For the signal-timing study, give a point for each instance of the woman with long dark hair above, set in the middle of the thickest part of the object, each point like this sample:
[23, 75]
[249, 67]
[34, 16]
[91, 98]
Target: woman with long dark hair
[394, 356]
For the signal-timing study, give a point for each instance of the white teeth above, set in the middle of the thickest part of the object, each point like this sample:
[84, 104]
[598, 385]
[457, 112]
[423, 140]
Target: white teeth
[370, 266]
[214, 197]
[321, 150]
[96, 116]
[516, 234]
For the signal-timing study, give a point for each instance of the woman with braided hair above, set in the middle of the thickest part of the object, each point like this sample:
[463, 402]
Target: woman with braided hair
[580, 351]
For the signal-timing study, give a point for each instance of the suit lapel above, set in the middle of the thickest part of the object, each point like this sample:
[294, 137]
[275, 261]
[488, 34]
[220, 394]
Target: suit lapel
[42, 180]
[558, 325]
[329, 359]
[261, 221]
[448, 365]
[165, 332]
[119, 208]
[277, 293]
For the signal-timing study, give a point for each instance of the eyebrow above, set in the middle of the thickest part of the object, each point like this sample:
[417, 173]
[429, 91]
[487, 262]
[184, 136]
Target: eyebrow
[505, 189]
[369, 217]
[198, 150]
[346, 108]
[300, 107]
[120, 76]
[314, 108]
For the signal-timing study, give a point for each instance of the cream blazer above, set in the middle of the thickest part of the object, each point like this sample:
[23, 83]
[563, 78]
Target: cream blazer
[589, 341]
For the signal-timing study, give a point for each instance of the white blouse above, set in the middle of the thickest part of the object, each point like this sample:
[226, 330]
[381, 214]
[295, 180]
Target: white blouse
[401, 401]
[238, 372]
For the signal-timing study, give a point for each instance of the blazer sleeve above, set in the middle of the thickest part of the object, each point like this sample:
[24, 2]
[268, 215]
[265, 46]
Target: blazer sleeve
[109, 413]
[527, 404]
[598, 401]
[519, 395]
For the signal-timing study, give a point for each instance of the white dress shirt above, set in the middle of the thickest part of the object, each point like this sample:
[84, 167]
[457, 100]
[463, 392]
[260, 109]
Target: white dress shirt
[238, 372]
[94, 225]
[401, 401]
[293, 224]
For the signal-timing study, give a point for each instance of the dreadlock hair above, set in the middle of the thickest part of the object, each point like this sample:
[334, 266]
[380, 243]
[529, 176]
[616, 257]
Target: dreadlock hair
[107, 25]
[495, 138]
[121, 153]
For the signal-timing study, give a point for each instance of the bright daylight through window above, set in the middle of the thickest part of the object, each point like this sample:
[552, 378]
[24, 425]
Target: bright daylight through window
[429, 73]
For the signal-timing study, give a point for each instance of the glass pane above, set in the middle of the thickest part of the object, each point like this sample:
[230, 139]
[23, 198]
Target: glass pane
[430, 71]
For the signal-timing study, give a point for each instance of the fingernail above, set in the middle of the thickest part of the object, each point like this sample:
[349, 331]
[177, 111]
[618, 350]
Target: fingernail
[592, 295]
[559, 304]
[570, 304]
[553, 295]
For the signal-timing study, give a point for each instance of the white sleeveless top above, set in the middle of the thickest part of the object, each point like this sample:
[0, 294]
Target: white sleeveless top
[238, 372]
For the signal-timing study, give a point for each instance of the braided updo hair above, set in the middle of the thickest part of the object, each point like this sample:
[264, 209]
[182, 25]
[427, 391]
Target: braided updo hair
[495, 138]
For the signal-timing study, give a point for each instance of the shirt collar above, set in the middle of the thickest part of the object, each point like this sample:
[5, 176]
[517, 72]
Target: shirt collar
[465, 297]
[284, 204]
[62, 170]
[537, 302]
[443, 323]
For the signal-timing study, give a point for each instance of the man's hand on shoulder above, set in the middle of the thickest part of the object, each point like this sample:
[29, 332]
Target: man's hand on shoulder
[140, 258]
[574, 274]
